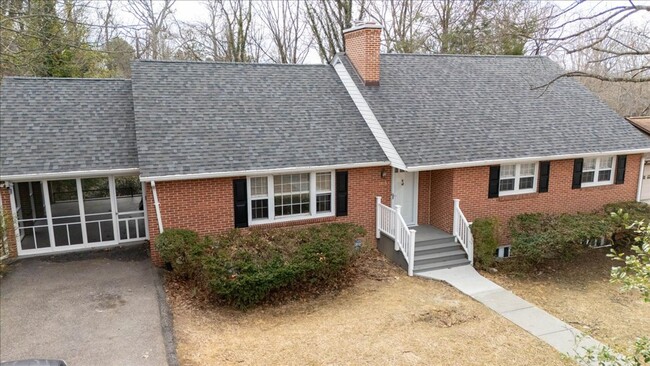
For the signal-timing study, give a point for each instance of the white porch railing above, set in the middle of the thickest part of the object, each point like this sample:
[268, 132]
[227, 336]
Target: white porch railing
[462, 231]
[392, 224]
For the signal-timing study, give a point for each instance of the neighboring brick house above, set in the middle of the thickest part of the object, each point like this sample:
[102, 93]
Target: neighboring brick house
[215, 146]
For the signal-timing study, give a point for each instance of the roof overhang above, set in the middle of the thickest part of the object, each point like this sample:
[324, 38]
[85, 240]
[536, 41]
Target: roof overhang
[72, 174]
[640, 122]
[242, 173]
[522, 160]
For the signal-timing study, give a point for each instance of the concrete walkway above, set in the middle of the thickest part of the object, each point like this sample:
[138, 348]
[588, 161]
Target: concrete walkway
[560, 335]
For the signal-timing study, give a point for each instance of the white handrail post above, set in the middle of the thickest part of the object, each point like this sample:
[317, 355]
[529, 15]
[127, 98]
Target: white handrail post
[456, 216]
[396, 223]
[378, 213]
[411, 251]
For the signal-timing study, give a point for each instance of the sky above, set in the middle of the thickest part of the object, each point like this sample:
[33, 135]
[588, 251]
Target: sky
[193, 10]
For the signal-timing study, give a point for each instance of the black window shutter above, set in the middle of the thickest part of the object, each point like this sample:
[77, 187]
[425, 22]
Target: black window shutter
[241, 202]
[341, 193]
[621, 162]
[544, 173]
[577, 173]
[493, 187]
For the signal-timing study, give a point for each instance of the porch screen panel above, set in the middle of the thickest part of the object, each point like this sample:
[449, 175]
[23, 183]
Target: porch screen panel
[97, 209]
[66, 218]
[130, 208]
[32, 218]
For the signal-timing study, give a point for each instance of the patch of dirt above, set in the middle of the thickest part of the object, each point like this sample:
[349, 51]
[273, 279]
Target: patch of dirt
[384, 317]
[107, 301]
[580, 293]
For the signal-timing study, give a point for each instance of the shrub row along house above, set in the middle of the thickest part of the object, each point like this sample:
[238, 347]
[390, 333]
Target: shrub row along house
[411, 147]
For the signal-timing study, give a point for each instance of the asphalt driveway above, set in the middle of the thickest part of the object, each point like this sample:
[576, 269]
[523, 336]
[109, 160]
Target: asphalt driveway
[90, 309]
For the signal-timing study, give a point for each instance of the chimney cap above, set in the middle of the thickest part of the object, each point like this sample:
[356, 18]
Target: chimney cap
[362, 24]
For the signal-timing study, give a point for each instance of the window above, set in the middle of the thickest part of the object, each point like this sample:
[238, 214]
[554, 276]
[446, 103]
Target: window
[598, 171]
[259, 198]
[290, 196]
[517, 178]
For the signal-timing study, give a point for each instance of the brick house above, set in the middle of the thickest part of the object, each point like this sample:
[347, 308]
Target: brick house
[411, 147]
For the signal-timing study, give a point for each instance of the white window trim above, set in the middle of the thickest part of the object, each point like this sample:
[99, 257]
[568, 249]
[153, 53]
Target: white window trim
[596, 171]
[312, 200]
[517, 177]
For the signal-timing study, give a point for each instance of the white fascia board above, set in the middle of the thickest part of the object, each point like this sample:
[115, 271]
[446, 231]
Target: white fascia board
[368, 116]
[72, 174]
[522, 160]
[247, 173]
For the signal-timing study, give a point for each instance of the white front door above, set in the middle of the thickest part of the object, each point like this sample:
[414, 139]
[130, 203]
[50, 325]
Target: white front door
[405, 192]
[645, 185]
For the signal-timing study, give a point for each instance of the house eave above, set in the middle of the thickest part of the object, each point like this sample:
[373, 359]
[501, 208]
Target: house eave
[242, 173]
[476, 163]
[69, 174]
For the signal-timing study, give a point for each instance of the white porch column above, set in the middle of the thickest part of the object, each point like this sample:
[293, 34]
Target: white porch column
[377, 217]
[396, 225]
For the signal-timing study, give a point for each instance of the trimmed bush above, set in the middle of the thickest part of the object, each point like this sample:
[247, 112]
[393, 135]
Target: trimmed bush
[247, 268]
[244, 268]
[485, 233]
[536, 237]
[183, 250]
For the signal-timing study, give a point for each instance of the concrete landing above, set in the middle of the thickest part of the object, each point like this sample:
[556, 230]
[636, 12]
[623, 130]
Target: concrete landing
[560, 335]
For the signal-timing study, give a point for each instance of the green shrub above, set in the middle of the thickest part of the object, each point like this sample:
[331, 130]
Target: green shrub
[485, 233]
[245, 268]
[183, 250]
[536, 237]
[621, 216]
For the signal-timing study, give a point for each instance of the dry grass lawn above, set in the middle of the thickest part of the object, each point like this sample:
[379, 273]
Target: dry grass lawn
[579, 292]
[385, 318]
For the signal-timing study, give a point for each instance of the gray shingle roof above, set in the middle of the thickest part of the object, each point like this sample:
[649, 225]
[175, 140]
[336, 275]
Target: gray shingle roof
[205, 117]
[52, 125]
[445, 109]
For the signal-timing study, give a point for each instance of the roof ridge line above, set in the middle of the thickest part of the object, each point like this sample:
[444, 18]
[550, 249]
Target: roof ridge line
[368, 116]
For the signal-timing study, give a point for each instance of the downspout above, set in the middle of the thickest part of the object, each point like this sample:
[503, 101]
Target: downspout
[156, 205]
[640, 185]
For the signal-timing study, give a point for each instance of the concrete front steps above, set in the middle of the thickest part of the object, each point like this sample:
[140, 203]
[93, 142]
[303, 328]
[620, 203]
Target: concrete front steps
[438, 252]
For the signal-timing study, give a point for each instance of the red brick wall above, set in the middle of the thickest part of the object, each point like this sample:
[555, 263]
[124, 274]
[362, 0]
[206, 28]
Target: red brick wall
[470, 185]
[5, 196]
[362, 47]
[206, 205]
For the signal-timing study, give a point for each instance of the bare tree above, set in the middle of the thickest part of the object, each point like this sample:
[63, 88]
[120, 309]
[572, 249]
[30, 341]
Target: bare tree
[406, 29]
[155, 20]
[327, 19]
[283, 23]
[604, 33]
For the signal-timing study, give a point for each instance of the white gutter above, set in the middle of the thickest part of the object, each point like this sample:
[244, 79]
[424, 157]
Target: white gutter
[368, 116]
[156, 204]
[640, 185]
[520, 160]
[73, 174]
[241, 173]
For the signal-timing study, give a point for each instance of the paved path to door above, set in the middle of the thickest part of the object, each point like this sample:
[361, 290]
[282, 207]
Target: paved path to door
[91, 309]
[563, 337]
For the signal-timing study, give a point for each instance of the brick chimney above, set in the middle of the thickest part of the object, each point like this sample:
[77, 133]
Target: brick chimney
[362, 48]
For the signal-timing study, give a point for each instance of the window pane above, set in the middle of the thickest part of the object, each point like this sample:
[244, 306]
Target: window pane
[323, 182]
[291, 194]
[604, 175]
[259, 187]
[507, 184]
[527, 170]
[589, 164]
[587, 177]
[324, 203]
[260, 209]
[606, 163]
[507, 171]
[526, 183]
